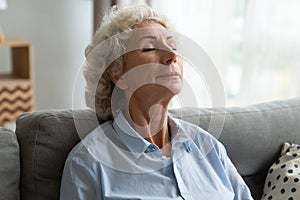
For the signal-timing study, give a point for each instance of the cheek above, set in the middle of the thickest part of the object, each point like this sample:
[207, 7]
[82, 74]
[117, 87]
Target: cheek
[180, 63]
[128, 62]
[135, 59]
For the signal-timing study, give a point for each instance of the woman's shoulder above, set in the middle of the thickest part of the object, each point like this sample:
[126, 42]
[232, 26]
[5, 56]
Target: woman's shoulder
[198, 135]
[91, 141]
[191, 128]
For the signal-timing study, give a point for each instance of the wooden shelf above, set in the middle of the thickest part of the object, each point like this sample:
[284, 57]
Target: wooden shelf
[12, 42]
[16, 88]
[9, 79]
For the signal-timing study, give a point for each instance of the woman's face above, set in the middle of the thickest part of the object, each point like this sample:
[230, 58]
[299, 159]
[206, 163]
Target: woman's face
[151, 66]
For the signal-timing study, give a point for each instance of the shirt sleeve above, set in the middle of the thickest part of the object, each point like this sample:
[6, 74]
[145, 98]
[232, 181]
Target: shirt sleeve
[80, 181]
[238, 184]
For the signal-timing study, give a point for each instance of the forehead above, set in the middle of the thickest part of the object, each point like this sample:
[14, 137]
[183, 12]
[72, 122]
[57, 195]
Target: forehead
[149, 24]
[150, 28]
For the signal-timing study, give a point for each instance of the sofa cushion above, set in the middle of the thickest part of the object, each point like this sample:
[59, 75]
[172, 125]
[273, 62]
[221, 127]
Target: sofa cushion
[283, 179]
[9, 165]
[46, 137]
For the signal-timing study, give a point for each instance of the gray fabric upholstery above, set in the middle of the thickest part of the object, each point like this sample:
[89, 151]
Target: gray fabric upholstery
[45, 139]
[252, 136]
[9, 165]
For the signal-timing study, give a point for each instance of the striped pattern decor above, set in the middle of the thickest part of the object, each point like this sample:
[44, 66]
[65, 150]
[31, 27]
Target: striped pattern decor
[15, 99]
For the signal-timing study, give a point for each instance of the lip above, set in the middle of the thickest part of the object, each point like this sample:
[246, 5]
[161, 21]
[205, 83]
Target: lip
[169, 74]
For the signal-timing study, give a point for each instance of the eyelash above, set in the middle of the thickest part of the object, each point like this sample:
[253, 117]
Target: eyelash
[152, 49]
[148, 49]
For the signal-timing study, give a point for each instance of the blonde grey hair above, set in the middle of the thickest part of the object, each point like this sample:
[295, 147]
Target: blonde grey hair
[99, 86]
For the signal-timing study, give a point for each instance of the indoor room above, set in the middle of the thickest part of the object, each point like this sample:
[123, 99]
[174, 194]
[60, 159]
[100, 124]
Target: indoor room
[224, 74]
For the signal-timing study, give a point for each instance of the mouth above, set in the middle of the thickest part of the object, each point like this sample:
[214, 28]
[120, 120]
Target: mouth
[169, 74]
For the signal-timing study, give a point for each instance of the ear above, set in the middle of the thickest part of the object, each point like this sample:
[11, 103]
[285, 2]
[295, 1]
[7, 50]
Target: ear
[119, 81]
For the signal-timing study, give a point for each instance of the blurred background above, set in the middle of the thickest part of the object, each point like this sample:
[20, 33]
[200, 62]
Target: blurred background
[254, 44]
[58, 32]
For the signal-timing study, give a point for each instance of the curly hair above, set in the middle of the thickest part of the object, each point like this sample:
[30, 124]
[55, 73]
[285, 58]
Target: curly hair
[104, 55]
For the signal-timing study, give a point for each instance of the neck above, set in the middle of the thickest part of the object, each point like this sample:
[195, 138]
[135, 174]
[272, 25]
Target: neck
[150, 120]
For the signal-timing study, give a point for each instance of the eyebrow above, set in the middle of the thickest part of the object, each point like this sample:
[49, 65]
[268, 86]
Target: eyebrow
[154, 37]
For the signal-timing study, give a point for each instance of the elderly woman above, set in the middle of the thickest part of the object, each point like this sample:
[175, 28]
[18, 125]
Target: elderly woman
[140, 152]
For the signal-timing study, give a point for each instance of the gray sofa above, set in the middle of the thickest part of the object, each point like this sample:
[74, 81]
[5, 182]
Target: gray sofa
[32, 160]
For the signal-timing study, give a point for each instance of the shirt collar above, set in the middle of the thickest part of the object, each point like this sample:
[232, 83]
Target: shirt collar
[178, 136]
[135, 143]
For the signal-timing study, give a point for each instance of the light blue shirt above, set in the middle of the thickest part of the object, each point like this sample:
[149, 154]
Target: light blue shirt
[114, 162]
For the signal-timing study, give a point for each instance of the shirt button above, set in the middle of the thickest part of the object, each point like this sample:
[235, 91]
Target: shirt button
[188, 149]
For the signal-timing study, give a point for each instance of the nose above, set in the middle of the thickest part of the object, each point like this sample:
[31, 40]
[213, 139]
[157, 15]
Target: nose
[169, 56]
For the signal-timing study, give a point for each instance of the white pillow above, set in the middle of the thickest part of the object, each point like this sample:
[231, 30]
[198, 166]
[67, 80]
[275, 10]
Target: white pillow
[283, 179]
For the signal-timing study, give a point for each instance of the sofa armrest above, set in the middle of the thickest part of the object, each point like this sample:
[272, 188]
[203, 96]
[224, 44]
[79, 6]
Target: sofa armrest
[9, 165]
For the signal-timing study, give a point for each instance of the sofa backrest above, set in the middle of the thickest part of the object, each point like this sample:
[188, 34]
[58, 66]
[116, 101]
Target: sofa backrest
[252, 136]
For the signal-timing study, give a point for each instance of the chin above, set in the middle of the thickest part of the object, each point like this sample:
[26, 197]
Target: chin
[174, 89]
[174, 84]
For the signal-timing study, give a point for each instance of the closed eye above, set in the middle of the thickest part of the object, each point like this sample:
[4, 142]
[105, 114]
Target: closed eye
[148, 49]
